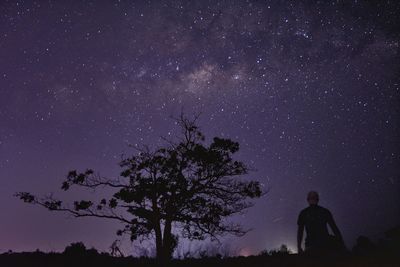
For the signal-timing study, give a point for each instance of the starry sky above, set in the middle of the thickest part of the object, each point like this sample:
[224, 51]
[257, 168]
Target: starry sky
[310, 90]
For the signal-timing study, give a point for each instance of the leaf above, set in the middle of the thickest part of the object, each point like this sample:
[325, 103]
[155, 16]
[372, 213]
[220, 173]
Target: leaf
[26, 197]
[65, 186]
[112, 203]
[82, 205]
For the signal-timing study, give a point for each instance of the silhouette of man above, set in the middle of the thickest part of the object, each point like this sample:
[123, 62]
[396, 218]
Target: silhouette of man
[315, 220]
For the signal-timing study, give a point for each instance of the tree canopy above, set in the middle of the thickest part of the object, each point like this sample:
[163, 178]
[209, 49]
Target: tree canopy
[186, 184]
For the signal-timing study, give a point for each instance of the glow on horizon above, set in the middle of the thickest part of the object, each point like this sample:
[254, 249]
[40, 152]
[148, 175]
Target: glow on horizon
[245, 252]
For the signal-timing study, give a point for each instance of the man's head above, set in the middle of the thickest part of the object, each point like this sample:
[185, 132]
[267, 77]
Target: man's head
[312, 198]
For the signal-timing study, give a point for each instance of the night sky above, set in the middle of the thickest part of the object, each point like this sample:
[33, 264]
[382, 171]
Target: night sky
[310, 90]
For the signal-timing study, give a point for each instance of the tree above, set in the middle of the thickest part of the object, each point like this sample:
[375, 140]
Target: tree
[186, 185]
[79, 249]
[282, 251]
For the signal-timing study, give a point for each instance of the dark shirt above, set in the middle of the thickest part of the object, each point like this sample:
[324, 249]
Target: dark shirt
[315, 219]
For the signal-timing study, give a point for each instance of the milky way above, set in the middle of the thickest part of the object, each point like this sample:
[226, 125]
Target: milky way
[310, 90]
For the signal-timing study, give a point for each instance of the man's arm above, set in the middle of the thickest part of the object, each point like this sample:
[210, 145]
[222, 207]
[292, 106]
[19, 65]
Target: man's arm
[300, 231]
[335, 229]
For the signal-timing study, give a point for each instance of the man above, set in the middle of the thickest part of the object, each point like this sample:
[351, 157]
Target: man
[315, 220]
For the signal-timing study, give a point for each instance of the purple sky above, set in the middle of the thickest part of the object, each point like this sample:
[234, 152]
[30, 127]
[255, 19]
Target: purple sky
[310, 91]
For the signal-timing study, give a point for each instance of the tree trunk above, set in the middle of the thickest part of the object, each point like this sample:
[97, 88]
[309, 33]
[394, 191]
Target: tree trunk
[158, 233]
[159, 244]
[167, 242]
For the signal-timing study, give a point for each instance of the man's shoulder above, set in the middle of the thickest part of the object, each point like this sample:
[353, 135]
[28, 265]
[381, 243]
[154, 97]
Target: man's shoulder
[314, 209]
[324, 209]
[304, 211]
[324, 212]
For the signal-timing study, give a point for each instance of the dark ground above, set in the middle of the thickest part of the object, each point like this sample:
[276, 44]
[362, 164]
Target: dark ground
[40, 259]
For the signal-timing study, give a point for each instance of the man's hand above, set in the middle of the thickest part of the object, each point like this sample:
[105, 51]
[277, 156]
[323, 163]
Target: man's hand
[300, 250]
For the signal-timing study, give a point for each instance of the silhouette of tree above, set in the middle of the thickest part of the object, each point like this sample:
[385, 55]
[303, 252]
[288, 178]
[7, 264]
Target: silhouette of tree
[283, 250]
[77, 248]
[186, 184]
[115, 251]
